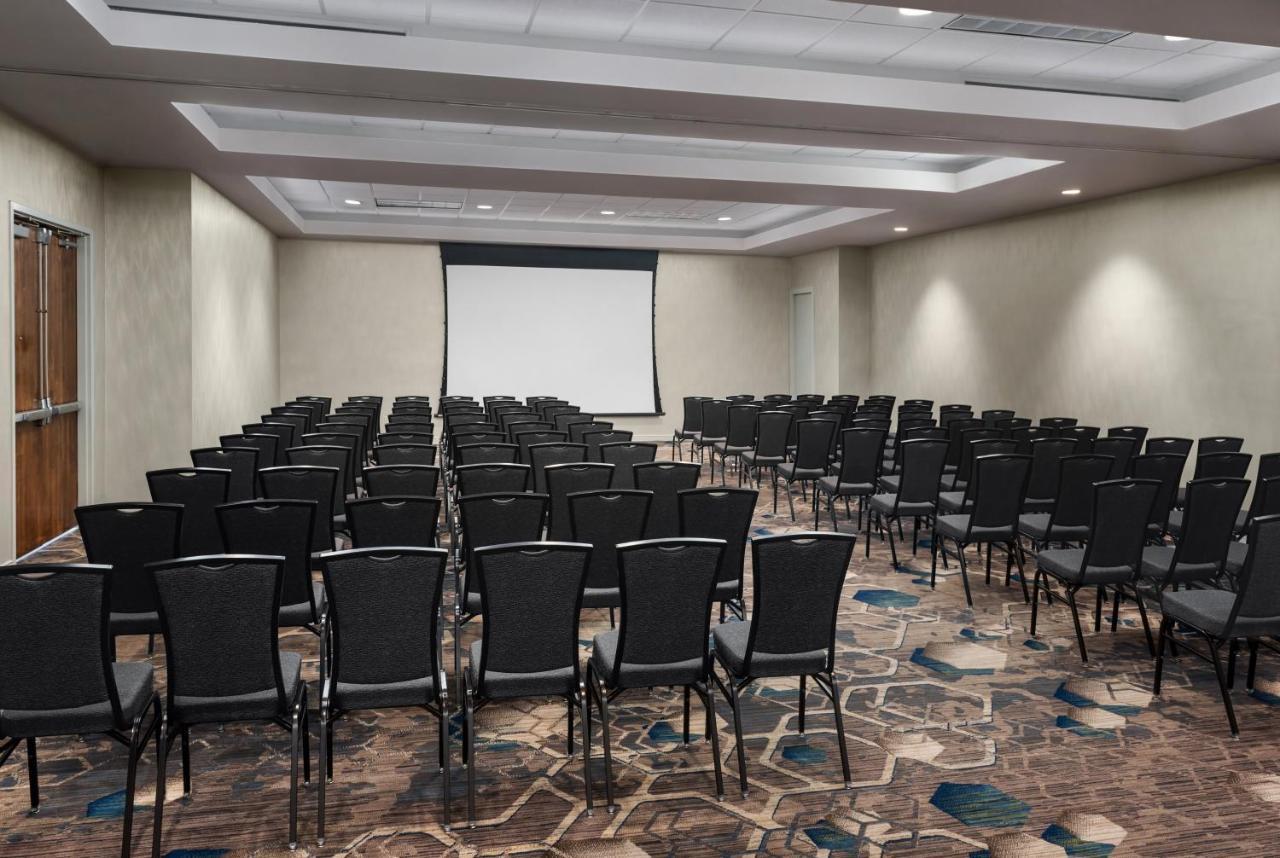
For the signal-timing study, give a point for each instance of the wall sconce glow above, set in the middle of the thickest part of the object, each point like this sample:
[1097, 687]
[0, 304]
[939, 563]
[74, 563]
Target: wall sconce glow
[724, 218]
[1176, 38]
[1071, 192]
[352, 202]
[913, 13]
[484, 207]
[901, 228]
[608, 212]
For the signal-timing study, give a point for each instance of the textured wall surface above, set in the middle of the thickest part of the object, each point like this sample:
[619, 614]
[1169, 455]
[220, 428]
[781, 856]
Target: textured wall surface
[234, 331]
[1157, 308]
[819, 273]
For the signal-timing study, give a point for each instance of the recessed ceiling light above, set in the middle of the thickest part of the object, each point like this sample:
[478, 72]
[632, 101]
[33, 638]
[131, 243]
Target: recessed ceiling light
[608, 212]
[1176, 38]
[1071, 192]
[352, 202]
[901, 228]
[913, 13]
[484, 207]
[724, 218]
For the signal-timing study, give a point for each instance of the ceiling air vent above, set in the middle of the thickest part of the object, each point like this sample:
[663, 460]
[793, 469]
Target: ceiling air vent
[445, 205]
[1031, 29]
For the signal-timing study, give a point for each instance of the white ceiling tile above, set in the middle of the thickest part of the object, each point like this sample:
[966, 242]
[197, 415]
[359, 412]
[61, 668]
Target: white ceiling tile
[773, 148]
[946, 49]
[855, 42]
[1261, 53]
[710, 143]
[295, 6]
[398, 192]
[397, 11]
[1019, 56]
[1187, 70]
[681, 25]
[387, 122]
[1153, 42]
[740, 5]
[456, 127]
[834, 10]
[767, 33]
[576, 134]
[522, 131]
[509, 16]
[890, 16]
[1106, 63]
[604, 20]
[885, 154]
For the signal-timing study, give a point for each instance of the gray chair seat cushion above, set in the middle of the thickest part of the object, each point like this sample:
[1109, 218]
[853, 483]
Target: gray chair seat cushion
[134, 682]
[253, 706]
[703, 441]
[1037, 504]
[1036, 526]
[605, 649]
[736, 450]
[789, 471]
[543, 683]
[952, 502]
[145, 623]
[686, 435]
[833, 486]
[300, 614]
[1236, 553]
[1066, 564]
[885, 505]
[952, 483]
[1209, 610]
[384, 695]
[889, 484]
[601, 597]
[956, 527]
[751, 457]
[1156, 560]
[731, 643]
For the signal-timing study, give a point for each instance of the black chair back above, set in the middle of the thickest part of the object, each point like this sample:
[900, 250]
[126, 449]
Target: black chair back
[1046, 456]
[542, 456]
[571, 478]
[1221, 465]
[277, 528]
[715, 419]
[862, 454]
[404, 454]
[624, 456]
[604, 519]
[1120, 448]
[265, 445]
[813, 443]
[1121, 510]
[305, 482]
[1169, 446]
[692, 418]
[999, 485]
[1258, 584]
[1208, 523]
[199, 490]
[391, 520]
[722, 513]
[421, 480]
[665, 480]
[126, 537]
[501, 477]
[240, 462]
[922, 462]
[1219, 444]
[577, 430]
[283, 432]
[597, 439]
[498, 519]
[742, 425]
[525, 438]
[1137, 433]
[328, 457]
[1166, 469]
[486, 453]
[771, 434]
[1077, 475]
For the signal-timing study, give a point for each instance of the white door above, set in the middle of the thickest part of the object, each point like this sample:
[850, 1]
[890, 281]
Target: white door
[801, 343]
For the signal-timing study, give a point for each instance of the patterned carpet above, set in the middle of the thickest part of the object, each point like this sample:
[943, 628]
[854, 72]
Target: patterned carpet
[966, 738]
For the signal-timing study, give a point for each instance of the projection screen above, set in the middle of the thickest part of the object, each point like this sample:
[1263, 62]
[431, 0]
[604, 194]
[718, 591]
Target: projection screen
[575, 323]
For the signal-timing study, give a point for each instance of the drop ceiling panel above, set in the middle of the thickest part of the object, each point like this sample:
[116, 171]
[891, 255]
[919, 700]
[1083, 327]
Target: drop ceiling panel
[856, 42]
[504, 16]
[1260, 53]
[891, 16]
[767, 33]
[1107, 63]
[681, 25]
[380, 11]
[1185, 70]
[947, 49]
[833, 10]
[604, 20]
[1028, 57]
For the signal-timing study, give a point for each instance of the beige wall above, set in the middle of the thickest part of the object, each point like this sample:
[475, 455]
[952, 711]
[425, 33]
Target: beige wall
[856, 296]
[1157, 308]
[234, 331]
[840, 279]
[818, 273]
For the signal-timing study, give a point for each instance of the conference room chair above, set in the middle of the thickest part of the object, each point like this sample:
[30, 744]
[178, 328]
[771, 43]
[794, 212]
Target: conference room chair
[301, 423]
[902, 430]
[513, 423]
[1221, 617]
[577, 430]
[1084, 436]
[661, 639]
[665, 480]
[739, 398]
[264, 444]
[917, 493]
[1111, 556]
[328, 457]
[958, 501]
[1058, 423]
[324, 401]
[241, 464]
[888, 479]
[417, 410]
[306, 482]
[596, 439]
[992, 416]
[1268, 468]
[604, 519]
[564, 421]
[415, 427]
[775, 399]
[1166, 468]
[404, 454]
[542, 456]
[740, 439]
[527, 650]
[422, 480]
[812, 458]
[348, 438]
[1025, 436]
[485, 453]
[862, 451]
[716, 512]
[956, 429]
[770, 448]
[948, 414]
[316, 410]
[361, 422]
[882, 423]
[625, 456]
[1170, 446]
[384, 632]
[550, 412]
[1137, 433]
[797, 581]
[279, 528]
[487, 520]
[810, 398]
[524, 438]
[504, 477]
[59, 676]
[1008, 424]
[1266, 501]
[1071, 516]
[999, 485]
[198, 490]
[223, 662]
[1046, 455]
[715, 426]
[1228, 465]
[958, 479]
[837, 423]
[1120, 449]
[566, 479]
[394, 520]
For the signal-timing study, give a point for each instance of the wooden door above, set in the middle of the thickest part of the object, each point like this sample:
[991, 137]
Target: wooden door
[46, 376]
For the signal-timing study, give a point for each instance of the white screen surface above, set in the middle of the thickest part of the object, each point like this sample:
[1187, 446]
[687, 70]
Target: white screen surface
[581, 334]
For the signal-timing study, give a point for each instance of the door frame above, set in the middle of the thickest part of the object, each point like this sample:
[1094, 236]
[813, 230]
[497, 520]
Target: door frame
[791, 330]
[86, 358]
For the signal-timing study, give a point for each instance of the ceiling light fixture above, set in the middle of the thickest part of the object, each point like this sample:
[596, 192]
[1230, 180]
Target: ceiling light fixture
[608, 212]
[913, 13]
[1071, 192]
[724, 218]
[1176, 38]
[484, 207]
[352, 202]
[901, 228]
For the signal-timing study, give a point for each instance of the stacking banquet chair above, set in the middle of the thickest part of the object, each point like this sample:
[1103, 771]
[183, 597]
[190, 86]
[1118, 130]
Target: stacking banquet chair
[715, 426]
[917, 494]
[598, 438]
[604, 519]
[487, 520]
[1137, 433]
[420, 480]
[958, 479]
[531, 594]
[1166, 468]
[1072, 514]
[1172, 446]
[725, 514]
[770, 449]
[241, 462]
[740, 438]
[306, 482]
[199, 490]
[862, 451]
[1268, 469]
[1042, 485]
[1120, 449]
[223, 662]
[126, 537]
[384, 633]
[348, 438]
[541, 456]
[667, 586]
[998, 485]
[264, 444]
[624, 456]
[813, 451]
[279, 528]
[1084, 436]
[572, 418]
[953, 502]
[404, 454]
[390, 520]
[1252, 612]
[329, 457]
[485, 453]
[58, 676]
[665, 480]
[577, 430]
[1208, 466]
[526, 438]
[991, 416]
[564, 480]
[282, 432]
[1112, 555]
[792, 631]
[495, 477]
[1058, 422]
